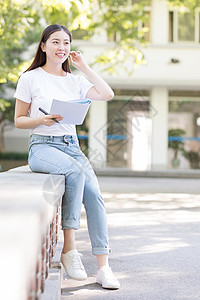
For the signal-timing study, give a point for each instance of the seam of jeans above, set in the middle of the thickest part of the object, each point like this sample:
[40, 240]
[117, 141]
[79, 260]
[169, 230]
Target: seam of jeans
[100, 251]
[71, 227]
[48, 161]
[63, 171]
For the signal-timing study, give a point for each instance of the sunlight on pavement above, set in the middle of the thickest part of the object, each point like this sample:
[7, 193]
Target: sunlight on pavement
[162, 247]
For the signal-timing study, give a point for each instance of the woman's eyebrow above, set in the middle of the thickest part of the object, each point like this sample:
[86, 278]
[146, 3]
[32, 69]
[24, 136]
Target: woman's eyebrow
[59, 39]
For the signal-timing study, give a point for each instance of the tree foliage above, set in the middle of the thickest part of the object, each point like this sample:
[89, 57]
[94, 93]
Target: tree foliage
[18, 20]
[127, 22]
[17, 32]
[191, 4]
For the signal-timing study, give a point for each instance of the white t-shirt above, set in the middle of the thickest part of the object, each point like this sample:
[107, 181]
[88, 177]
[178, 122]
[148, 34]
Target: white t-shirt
[40, 88]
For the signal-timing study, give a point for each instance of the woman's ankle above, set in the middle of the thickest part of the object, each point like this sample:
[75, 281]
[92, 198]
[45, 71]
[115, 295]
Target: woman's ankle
[67, 249]
[102, 260]
[69, 240]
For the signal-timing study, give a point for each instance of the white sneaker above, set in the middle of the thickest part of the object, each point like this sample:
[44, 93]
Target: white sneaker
[73, 265]
[106, 278]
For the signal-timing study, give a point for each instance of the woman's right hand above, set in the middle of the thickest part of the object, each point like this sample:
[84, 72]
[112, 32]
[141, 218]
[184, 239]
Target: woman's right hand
[47, 119]
[23, 121]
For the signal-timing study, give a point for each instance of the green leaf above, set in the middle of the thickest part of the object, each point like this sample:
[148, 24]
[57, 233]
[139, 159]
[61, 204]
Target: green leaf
[4, 104]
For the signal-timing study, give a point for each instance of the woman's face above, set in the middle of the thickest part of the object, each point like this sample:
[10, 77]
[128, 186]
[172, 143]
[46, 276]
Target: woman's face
[57, 47]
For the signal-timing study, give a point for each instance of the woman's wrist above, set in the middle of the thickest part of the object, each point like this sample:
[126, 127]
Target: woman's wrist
[39, 121]
[84, 68]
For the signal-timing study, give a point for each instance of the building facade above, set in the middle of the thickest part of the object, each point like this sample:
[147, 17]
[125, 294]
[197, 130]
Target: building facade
[131, 131]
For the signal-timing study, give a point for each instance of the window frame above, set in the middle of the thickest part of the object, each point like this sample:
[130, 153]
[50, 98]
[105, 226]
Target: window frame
[176, 12]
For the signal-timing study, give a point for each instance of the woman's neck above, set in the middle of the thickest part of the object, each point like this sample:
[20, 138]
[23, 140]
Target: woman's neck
[54, 70]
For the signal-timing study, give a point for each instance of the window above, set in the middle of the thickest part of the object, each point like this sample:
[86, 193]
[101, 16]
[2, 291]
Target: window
[143, 28]
[130, 2]
[171, 25]
[184, 26]
[113, 37]
[79, 34]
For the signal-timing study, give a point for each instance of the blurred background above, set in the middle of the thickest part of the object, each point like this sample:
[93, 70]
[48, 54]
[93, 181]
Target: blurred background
[147, 51]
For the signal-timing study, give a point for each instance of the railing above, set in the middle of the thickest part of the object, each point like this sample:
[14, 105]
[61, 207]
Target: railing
[183, 139]
[124, 137]
[109, 137]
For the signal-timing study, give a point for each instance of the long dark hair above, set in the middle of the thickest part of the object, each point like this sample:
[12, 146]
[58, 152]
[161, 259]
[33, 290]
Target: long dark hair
[40, 56]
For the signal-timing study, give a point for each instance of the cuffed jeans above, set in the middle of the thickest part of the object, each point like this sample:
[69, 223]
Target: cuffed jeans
[62, 155]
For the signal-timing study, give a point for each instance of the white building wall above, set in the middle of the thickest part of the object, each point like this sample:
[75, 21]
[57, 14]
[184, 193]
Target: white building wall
[159, 22]
[98, 134]
[159, 115]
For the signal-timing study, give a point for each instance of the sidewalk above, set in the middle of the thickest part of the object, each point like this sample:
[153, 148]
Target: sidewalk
[154, 229]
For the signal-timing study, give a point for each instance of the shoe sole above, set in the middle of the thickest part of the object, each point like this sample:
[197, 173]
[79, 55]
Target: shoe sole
[107, 287]
[78, 279]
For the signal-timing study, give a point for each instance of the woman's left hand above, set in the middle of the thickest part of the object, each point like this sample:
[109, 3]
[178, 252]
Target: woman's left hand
[77, 60]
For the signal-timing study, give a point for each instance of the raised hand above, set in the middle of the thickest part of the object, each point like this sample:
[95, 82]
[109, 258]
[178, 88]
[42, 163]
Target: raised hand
[77, 60]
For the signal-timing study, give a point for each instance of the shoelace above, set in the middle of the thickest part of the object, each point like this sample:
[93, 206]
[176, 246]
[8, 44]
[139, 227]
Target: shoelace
[109, 273]
[76, 261]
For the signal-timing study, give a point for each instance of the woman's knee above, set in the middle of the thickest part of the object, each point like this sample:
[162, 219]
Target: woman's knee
[75, 171]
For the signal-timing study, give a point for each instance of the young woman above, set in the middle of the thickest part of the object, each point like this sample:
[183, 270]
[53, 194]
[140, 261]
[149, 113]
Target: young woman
[54, 147]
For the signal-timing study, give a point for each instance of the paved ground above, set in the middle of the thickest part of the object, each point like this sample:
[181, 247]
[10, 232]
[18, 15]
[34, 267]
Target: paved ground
[154, 228]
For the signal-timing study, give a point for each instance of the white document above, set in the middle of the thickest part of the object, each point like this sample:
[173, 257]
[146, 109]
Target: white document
[74, 111]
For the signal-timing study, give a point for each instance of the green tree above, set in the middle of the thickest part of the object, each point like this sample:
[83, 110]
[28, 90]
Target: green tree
[19, 20]
[19, 27]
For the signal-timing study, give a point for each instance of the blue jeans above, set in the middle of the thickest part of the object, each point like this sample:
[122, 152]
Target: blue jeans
[62, 155]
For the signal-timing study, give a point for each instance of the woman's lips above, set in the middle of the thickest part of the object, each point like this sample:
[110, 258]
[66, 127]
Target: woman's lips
[60, 54]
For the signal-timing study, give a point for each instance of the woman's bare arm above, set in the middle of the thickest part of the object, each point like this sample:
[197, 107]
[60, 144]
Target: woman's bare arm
[23, 121]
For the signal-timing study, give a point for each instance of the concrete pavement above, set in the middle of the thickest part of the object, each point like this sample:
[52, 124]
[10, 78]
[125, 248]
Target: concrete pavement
[154, 229]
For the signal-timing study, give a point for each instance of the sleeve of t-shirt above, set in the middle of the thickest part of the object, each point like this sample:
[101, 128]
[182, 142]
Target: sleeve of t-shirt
[23, 90]
[85, 85]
